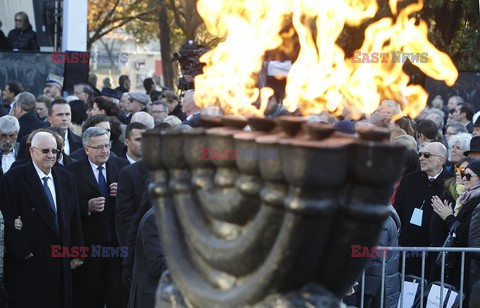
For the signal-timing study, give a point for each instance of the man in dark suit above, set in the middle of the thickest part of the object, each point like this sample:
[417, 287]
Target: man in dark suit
[413, 201]
[131, 185]
[43, 199]
[25, 112]
[98, 281]
[149, 263]
[59, 115]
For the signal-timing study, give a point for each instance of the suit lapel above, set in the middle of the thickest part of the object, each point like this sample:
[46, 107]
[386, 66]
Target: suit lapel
[87, 173]
[34, 188]
[112, 171]
[62, 200]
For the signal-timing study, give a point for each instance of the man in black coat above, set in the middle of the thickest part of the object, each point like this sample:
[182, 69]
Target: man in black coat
[25, 112]
[131, 185]
[43, 199]
[98, 282]
[413, 201]
[149, 263]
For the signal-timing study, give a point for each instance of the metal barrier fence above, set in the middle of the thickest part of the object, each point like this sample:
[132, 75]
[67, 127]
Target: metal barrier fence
[424, 251]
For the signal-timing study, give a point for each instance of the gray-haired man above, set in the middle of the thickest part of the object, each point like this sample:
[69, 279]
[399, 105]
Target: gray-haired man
[98, 281]
[9, 128]
[26, 112]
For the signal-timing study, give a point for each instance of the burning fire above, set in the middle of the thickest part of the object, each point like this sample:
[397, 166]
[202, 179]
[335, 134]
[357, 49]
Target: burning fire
[321, 78]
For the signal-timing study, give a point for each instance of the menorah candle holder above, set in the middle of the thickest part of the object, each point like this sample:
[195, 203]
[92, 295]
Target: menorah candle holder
[244, 216]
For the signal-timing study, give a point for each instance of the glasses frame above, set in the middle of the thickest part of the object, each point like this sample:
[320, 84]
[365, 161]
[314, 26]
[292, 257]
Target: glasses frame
[468, 176]
[101, 147]
[427, 155]
[46, 151]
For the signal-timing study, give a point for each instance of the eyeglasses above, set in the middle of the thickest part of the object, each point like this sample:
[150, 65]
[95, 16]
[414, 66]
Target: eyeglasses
[461, 169]
[10, 136]
[427, 154]
[101, 146]
[18, 20]
[468, 176]
[46, 151]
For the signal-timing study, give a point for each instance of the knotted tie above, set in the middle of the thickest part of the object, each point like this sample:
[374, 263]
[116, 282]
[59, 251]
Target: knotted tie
[50, 199]
[102, 184]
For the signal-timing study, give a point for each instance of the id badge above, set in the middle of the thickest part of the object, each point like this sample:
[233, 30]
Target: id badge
[417, 217]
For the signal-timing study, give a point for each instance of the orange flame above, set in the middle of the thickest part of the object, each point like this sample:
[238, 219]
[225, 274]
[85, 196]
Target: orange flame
[321, 78]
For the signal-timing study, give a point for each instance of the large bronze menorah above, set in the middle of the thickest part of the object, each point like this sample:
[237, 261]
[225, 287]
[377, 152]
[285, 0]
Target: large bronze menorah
[237, 231]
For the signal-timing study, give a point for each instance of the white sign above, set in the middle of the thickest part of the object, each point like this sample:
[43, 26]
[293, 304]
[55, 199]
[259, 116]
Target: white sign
[433, 300]
[409, 292]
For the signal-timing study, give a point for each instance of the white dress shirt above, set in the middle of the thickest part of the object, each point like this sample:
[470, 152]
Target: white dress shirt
[50, 183]
[96, 172]
[66, 148]
[130, 160]
[7, 160]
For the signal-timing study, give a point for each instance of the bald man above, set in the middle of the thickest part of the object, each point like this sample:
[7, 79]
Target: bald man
[413, 201]
[44, 198]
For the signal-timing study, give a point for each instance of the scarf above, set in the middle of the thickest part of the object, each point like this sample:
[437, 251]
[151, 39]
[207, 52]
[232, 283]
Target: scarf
[459, 189]
[469, 194]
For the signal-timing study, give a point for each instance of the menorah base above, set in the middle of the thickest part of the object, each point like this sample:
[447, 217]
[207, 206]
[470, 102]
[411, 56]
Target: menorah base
[311, 295]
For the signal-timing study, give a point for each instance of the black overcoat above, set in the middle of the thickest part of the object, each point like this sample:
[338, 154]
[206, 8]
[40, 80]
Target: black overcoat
[43, 280]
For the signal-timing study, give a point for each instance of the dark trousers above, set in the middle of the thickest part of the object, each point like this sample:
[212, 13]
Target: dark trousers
[112, 294]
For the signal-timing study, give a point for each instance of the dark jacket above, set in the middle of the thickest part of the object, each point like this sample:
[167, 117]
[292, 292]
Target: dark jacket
[474, 242]
[414, 190]
[23, 39]
[42, 280]
[194, 121]
[462, 223]
[149, 263]
[177, 111]
[28, 123]
[128, 261]
[131, 185]
[98, 228]
[4, 45]
[373, 270]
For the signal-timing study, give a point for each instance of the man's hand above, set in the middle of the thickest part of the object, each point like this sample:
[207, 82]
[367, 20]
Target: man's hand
[96, 204]
[113, 189]
[74, 263]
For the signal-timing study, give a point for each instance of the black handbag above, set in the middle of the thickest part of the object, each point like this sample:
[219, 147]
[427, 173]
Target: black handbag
[451, 258]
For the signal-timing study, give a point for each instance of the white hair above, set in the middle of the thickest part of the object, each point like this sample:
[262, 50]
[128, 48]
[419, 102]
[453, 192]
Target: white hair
[392, 104]
[9, 124]
[460, 139]
[37, 136]
[144, 118]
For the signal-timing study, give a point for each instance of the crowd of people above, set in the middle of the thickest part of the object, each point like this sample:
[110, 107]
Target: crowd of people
[436, 201]
[80, 230]
[78, 227]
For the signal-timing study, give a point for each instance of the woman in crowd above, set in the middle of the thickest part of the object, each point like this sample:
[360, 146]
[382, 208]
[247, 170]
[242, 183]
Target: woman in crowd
[457, 145]
[457, 218]
[103, 106]
[23, 37]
